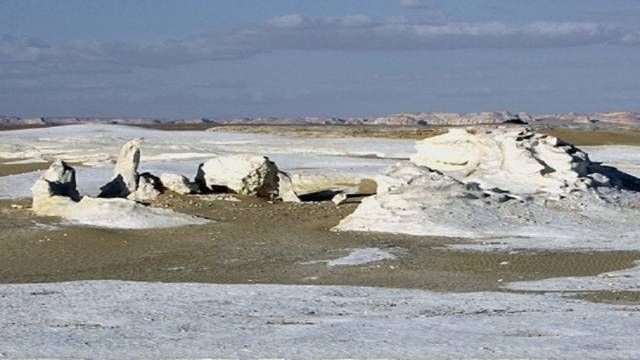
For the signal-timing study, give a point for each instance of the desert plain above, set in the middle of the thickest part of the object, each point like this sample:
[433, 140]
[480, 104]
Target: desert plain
[260, 274]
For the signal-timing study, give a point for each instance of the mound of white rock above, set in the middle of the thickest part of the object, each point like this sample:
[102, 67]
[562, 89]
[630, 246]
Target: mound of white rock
[514, 159]
[506, 183]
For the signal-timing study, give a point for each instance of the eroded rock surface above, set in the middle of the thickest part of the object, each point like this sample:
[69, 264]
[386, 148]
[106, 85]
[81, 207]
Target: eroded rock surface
[242, 174]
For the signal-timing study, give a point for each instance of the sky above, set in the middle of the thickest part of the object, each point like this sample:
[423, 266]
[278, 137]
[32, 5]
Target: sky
[248, 58]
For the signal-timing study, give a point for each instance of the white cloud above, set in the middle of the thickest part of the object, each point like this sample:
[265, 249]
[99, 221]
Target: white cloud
[413, 4]
[288, 21]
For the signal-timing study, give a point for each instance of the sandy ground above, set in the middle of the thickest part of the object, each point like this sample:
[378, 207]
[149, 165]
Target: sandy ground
[253, 241]
[581, 136]
[10, 169]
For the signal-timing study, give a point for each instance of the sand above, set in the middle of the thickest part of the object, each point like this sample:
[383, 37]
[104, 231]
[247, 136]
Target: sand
[253, 241]
[19, 168]
[580, 136]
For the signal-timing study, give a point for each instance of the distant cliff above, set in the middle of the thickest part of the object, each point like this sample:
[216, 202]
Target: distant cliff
[426, 118]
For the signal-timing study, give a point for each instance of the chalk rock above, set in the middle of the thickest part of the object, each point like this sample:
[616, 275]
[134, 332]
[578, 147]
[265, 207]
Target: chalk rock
[125, 178]
[55, 194]
[515, 159]
[339, 198]
[58, 180]
[285, 188]
[149, 187]
[177, 183]
[241, 174]
[421, 201]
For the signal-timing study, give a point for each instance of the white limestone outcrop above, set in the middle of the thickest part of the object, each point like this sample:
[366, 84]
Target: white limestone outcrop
[242, 174]
[505, 190]
[514, 159]
[55, 194]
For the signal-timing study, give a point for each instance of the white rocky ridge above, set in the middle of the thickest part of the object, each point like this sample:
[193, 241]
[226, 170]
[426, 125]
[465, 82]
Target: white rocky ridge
[242, 174]
[523, 191]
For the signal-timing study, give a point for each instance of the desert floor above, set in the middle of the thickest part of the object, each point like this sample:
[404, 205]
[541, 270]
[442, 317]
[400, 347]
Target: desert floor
[72, 290]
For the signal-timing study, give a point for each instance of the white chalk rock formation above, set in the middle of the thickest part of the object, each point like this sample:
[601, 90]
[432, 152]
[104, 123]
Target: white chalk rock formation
[241, 174]
[500, 190]
[58, 180]
[515, 159]
[420, 201]
[55, 194]
[285, 188]
[177, 183]
[149, 187]
[125, 178]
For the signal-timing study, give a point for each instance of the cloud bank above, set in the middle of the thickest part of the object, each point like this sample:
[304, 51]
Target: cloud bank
[300, 33]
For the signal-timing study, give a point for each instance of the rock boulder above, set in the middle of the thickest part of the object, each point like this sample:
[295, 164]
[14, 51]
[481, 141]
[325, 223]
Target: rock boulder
[59, 180]
[149, 187]
[242, 174]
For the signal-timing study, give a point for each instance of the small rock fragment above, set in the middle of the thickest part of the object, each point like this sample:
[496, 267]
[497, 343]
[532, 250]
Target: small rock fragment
[285, 190]
[339, 198]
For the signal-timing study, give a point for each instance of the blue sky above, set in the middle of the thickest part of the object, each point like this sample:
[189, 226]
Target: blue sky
[197, 58]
